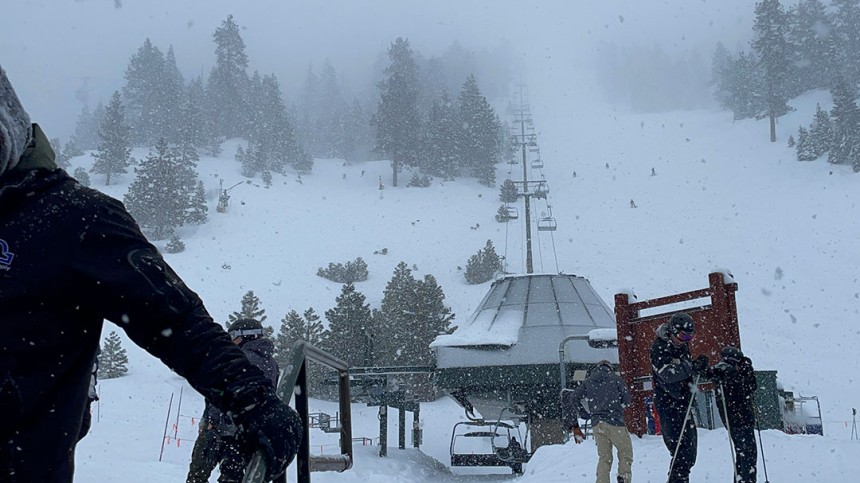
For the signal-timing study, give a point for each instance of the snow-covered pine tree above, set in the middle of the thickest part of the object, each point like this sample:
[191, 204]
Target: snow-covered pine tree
[805, 147]
[478, 134]
[821, 132]
[250, 309]
[845, 117]
[771, 46]
[228, 82]
[113, 359]
[309, 111]
[158, 198]
[351, 328]
[397, 120]
[791, 143]
[114, 149]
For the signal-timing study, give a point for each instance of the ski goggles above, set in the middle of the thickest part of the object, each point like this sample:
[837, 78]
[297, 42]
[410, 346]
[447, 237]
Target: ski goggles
[244, 332]
[685, 336]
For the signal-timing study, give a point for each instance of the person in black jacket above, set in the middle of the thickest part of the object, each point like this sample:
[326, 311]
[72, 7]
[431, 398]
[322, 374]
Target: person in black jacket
[71, 257]
[674, 372]
[606, 395]
[735, 383]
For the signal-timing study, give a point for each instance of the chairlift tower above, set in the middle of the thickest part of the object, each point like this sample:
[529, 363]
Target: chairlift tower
[525, 139]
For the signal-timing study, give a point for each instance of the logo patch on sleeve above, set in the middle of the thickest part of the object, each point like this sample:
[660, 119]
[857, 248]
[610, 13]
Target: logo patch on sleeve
[5, 255]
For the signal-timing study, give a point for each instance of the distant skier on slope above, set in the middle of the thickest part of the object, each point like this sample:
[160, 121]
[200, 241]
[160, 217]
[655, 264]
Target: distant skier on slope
[71, 257]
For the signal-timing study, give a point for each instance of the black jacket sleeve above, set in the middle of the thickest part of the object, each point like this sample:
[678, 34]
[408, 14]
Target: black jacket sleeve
[127, 282]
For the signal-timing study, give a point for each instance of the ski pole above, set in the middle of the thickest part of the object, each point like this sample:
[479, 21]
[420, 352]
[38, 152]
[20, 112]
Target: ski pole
[729, 430]
[761, 445]
[683, 428]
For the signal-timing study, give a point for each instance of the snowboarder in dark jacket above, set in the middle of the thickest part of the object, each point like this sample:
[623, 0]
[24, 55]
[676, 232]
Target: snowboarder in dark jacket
[71, 257]
[673, 372]
[735, 383]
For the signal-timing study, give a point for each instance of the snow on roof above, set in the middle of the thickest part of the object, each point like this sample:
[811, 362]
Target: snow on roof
[524, 318]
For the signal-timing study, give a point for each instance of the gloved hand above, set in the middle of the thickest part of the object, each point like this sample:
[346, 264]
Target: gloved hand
[578, 436]
[700, 365]
[272, 428]
[722, 370]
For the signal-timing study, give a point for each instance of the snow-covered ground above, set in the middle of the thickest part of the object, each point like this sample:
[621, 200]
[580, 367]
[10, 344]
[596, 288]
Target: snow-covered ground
[722, 199]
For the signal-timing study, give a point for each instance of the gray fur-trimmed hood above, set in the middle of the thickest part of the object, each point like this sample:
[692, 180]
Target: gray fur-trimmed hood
[16, 132]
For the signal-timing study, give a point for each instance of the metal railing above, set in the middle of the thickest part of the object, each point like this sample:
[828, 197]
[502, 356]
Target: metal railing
[295, 381]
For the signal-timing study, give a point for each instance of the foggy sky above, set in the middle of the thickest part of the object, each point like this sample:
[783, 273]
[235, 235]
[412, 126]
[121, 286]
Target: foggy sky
[52, 48]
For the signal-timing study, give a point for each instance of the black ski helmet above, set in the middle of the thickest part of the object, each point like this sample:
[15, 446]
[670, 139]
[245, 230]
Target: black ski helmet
[247, 329]
[731, 354]
[682, 322]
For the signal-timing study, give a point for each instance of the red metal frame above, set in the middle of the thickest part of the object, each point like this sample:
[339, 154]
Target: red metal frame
[716, 327]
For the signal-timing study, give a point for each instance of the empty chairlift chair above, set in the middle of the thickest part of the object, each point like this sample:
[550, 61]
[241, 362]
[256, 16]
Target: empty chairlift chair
[537, 163]
[546, 223]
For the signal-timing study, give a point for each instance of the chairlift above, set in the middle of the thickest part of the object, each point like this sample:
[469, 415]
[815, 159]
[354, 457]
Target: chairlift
[489, 443]
[537, 163]
[542, 190]
[547, 223]
[513, 213]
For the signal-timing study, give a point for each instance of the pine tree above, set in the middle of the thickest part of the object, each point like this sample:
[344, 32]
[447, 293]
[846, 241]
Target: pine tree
[228, 82]
[747, 88]
[295, 327]
[159, 198]
[355, 138]
[805, 149]
[143, 94]
[431, 318]
[813, 53]
[791, 142]
[484, 265]
[61, 157]
[846, 32]
[721, 73]
[309, 112]
[821, 132]
[114, 148]
[397, 120]
[331, 115]
[440, 154]
[478, 137]
[82, 176]
[198, 208]
[250, 309]
[351, 328]
[113, 360]
[87, 127]
[845, 117]
[396, 315]
[508, 192]
[771, 46]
